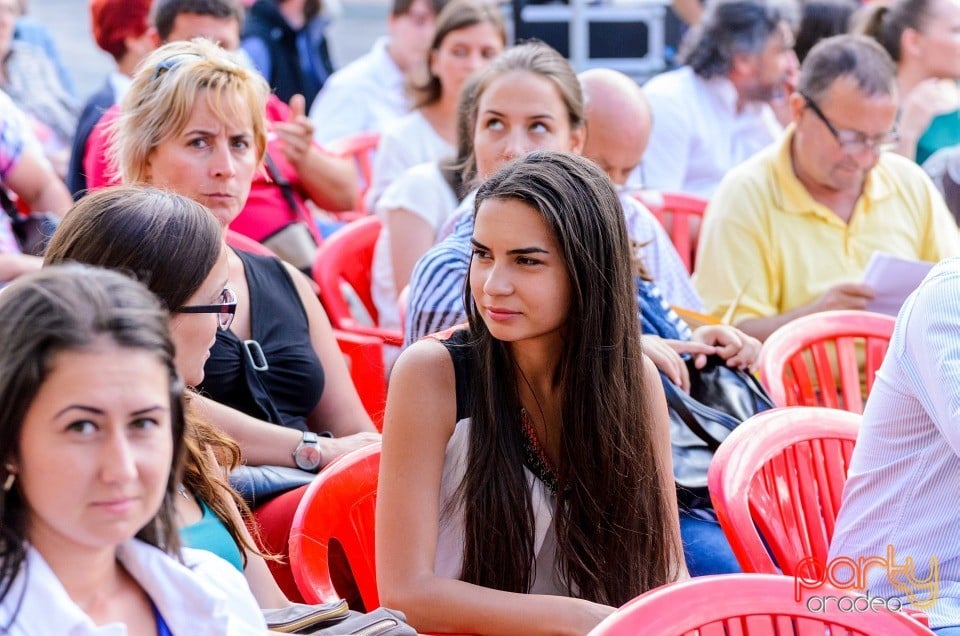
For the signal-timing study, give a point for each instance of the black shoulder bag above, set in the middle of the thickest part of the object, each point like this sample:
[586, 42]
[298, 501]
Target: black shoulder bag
[720, 399]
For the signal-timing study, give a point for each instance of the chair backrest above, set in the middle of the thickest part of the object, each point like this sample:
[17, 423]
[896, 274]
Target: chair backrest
[749, 605]
[802, 361]
[339, 505]
[680, 214]
[347, 257]
[777, 480]
[361, 148]
[364, 355]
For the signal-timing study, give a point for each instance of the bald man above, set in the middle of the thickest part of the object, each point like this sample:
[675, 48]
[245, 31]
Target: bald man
[619, 122]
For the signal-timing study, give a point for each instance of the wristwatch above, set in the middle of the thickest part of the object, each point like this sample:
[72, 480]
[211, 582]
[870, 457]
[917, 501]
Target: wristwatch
[307, 455]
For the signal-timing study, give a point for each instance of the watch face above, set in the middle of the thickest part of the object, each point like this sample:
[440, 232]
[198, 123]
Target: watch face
[308, 457]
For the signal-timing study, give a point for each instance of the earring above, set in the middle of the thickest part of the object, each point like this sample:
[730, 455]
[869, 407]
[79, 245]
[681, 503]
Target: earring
[11, 477]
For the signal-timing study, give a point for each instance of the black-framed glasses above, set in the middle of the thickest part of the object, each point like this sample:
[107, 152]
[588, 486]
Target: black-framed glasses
[853, 141]
[172, 62]
[225, 309]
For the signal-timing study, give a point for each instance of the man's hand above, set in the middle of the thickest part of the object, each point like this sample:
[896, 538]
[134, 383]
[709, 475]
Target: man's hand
[845, 296]
[296, 132]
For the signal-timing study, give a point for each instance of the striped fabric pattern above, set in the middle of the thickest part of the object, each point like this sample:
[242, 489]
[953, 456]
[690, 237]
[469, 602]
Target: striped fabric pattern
[902, 490]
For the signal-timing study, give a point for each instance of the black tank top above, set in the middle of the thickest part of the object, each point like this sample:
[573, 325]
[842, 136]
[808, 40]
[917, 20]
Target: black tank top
[290, 386]
[464, 359]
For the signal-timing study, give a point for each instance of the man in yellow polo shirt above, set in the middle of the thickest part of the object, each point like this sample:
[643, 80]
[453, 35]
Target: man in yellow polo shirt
[789, 232]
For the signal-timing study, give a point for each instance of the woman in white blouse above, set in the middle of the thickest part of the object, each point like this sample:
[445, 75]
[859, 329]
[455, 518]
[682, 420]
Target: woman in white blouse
[91, 460]
[469, 34]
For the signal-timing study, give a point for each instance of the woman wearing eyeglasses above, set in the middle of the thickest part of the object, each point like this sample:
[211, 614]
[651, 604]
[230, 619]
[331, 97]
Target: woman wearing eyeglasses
[173, 246]
[192, 122]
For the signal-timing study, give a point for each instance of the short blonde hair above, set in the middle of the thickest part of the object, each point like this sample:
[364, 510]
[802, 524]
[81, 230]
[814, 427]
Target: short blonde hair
[166, 86]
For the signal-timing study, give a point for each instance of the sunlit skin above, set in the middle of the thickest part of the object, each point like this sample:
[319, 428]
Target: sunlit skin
[211, 161]
[821, 164]
[520, 112]
[937, 44]
[462, 53]
[104, 413]
[410, 35]
[194, 334]
[518, 278]
[223, 31]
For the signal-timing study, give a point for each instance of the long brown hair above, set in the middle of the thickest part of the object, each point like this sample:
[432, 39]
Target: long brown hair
[614, 533]
[170, 243]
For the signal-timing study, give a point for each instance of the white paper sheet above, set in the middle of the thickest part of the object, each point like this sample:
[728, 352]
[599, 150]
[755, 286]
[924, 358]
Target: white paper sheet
[893, 279]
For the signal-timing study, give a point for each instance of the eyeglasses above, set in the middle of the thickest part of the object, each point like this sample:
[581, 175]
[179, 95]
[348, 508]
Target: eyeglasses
[172, 62]
[225, 309]
[853, 141]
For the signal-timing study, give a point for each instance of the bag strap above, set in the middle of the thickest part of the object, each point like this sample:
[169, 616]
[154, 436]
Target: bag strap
[283, 183]
[675, 401]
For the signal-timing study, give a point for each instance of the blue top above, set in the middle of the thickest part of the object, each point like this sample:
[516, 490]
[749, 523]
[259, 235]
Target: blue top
[211, 535]
[162, 628]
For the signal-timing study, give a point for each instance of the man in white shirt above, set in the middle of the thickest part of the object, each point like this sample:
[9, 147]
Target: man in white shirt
[712, 114]
[369, 92]
[618, 129]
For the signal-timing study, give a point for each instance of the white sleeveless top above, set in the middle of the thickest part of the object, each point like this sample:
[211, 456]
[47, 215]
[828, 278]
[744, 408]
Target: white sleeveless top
[451, 541]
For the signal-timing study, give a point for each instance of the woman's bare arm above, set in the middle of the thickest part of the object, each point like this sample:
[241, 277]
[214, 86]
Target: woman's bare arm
[660, 419]
[420, 419]
[339, 411]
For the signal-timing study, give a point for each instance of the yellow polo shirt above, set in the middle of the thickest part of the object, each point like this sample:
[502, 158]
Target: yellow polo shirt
[763, 233]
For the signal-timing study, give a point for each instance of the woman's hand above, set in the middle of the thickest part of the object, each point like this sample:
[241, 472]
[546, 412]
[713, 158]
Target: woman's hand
[737, 348]
[333, 447]
[665, 354]
[926, 100]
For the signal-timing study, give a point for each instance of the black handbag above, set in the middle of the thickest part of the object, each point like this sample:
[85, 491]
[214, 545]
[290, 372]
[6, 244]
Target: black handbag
[720, 399]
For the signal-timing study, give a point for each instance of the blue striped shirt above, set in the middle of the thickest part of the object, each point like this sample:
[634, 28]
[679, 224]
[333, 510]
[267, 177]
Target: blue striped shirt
[438, 279]
[904, 474]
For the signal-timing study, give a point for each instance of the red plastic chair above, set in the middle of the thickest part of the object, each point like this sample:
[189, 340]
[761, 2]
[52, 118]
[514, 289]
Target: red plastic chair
[347, 256]
[680, 215]
[747, 605]
[339, 504]
[826, 343]
[364, 356]
[779, 478]
[360, 148]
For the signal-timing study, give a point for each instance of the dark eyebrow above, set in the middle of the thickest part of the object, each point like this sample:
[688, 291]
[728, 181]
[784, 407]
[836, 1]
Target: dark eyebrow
[96, 411]
[520, 250]
[528, 250]
[497, 113]
[80, 407]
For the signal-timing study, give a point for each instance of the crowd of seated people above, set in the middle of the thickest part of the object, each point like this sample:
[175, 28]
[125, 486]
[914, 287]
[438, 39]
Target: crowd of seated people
[527, 478]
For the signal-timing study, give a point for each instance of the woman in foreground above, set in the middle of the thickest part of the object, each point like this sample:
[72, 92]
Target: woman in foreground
[537, 439]
[91, 453]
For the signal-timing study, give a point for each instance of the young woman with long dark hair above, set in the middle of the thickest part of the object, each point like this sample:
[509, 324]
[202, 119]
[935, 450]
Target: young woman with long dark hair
[526, 482]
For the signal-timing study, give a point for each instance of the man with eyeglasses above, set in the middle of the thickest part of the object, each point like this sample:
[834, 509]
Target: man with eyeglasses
[789, 232]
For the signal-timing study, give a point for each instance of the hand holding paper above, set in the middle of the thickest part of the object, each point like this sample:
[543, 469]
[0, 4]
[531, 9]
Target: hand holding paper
[893, 279]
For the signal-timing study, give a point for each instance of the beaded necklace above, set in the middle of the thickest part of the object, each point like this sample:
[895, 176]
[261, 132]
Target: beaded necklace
[534, 456]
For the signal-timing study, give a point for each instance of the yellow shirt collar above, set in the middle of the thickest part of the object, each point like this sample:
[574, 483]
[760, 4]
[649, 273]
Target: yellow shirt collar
[794, 197]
